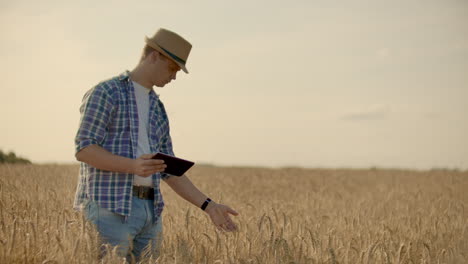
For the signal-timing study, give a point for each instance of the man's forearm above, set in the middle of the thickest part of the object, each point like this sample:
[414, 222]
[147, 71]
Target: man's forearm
[100, 158]
[186, 189]
[219, 213]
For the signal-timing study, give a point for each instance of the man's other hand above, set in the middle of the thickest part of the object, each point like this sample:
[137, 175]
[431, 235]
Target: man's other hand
[219, 215]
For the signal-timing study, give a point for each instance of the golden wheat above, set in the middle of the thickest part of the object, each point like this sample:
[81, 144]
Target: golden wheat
[288, 215]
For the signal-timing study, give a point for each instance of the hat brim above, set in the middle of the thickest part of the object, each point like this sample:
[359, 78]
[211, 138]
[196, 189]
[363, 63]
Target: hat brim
[156, 47]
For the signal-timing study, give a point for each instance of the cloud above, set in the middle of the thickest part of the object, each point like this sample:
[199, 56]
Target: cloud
[371, 113]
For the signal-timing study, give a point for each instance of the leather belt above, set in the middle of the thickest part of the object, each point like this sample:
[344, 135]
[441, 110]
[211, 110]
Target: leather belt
[143, 192]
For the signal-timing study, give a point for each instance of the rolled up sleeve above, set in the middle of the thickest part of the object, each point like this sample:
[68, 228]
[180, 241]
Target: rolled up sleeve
[96, 109]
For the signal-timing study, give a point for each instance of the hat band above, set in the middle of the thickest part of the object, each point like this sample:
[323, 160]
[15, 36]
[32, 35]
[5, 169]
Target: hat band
[181, 61]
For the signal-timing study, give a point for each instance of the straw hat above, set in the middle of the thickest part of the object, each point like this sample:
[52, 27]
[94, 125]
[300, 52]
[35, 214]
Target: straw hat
[171, 45]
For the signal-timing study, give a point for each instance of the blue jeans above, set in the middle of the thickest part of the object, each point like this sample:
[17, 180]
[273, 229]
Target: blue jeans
[138, 235]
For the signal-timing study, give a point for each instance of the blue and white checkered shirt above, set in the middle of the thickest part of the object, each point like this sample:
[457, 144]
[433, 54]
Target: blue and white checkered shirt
[109, 118]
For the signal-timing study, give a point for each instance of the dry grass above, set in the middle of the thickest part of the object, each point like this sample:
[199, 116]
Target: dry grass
[287, 216]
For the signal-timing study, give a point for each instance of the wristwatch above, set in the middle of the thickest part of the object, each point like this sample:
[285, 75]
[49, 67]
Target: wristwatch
[205, 204]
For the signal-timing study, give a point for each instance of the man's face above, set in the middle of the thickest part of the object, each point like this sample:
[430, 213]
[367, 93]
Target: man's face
[164, 70]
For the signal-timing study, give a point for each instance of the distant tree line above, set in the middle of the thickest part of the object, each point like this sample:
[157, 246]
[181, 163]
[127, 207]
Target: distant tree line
[12, 158]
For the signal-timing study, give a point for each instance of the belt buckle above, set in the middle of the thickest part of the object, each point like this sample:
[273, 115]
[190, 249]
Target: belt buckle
[142, 193]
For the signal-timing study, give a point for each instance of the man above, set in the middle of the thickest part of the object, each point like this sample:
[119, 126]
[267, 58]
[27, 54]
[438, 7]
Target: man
[123, 124]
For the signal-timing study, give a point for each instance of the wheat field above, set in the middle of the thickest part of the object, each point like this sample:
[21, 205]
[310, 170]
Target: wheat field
[287, 215]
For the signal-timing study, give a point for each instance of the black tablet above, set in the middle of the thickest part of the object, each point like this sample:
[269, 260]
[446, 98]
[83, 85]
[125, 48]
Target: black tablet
[175, 166]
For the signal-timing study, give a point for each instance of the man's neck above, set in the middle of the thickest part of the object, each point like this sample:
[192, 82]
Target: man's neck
[138, 75]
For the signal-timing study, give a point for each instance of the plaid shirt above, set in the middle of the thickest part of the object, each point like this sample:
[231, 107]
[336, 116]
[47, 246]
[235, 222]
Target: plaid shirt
[109, 118]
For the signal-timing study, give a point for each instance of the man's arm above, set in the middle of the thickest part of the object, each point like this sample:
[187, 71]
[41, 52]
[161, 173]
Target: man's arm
[100, 158]
[218, 213]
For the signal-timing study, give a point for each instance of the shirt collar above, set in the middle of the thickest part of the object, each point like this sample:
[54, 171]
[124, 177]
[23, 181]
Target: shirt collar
[125, 76]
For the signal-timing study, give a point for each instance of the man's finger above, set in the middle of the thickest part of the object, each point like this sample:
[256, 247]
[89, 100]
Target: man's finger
[232, 227]
[153, 171]
[231, 211]
[153, 162]
[229, 220]
[151, 168]
[146, 156]
[226, 227]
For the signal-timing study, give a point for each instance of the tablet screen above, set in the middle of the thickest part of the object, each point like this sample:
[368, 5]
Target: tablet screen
[175, 166]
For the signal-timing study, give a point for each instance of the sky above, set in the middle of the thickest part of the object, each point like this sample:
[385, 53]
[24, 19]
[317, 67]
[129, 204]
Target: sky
[357, 83]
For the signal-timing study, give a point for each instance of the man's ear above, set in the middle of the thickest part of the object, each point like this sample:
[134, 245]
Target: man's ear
[155, 55]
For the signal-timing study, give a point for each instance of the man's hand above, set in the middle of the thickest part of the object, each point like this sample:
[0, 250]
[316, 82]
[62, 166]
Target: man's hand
[145, 166]
[219, 215]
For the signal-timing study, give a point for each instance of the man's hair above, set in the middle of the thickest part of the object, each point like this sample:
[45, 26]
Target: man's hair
[147, 50]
